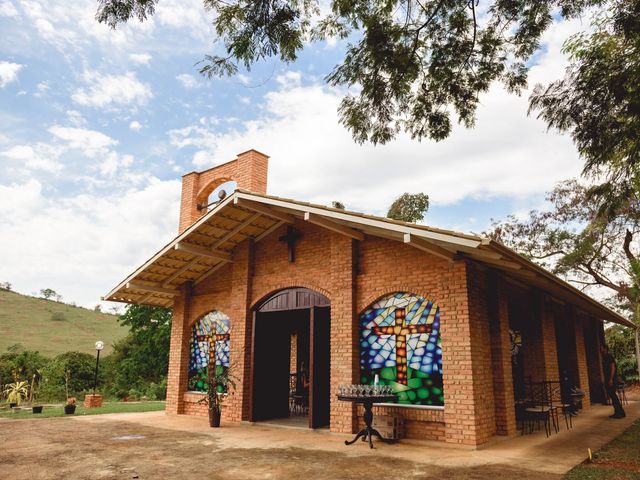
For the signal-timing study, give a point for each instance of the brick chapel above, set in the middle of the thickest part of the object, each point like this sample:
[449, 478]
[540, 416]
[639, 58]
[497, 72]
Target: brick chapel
[300, 298]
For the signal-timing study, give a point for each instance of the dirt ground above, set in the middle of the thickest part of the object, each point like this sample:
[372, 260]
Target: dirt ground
[62, 448]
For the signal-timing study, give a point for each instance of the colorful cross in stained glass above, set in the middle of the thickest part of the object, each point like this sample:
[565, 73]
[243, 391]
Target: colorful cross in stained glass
[401, 332]
[212, 339]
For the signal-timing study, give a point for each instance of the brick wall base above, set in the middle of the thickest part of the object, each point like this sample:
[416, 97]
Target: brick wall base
[92, 401]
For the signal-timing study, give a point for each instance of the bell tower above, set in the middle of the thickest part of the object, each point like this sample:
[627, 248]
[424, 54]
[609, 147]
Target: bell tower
[248, 170]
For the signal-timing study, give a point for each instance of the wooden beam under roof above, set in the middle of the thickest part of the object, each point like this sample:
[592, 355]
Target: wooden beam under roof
[425, 246]
[151, 288]
[227, 236]
[333, 226]
[201, 251]
[264, 209]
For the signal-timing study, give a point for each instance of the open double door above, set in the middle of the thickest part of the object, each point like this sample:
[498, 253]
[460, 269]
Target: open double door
[271, 362]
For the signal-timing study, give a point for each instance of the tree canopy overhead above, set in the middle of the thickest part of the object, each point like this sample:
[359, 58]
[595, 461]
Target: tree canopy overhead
[412, 65]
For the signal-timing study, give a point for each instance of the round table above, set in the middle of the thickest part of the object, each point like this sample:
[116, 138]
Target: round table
[367, 401]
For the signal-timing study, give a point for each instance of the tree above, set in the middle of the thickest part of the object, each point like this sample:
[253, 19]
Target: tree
[5, 286]
[48, 293]
[598, 100]
[142, 356]
[338, 204]
[576, 241]
[409, 207]
[413, 63]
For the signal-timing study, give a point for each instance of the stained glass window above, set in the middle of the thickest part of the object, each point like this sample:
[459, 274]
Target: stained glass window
[209, 344]
[400, 342]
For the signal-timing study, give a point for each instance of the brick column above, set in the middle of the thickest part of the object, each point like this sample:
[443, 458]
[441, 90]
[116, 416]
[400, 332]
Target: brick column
[501, 358]
[344, 331]
[179, 351]
[188, 201]
[539, 341]
[238, 404]
[581, 354]
[469, 410]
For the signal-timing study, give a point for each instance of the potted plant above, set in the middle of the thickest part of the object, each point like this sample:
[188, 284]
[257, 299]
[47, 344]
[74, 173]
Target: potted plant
[220, 382]
[16, 392]
[35, 381]
[70, 407]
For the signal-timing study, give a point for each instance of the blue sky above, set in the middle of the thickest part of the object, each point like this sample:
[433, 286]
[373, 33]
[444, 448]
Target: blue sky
[97, 126]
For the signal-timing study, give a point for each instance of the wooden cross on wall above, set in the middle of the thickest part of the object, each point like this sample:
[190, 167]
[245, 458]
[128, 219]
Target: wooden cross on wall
[401, 331]
[291, 237]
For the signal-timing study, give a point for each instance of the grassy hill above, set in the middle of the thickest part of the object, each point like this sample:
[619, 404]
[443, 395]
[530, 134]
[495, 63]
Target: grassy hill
[52, 327]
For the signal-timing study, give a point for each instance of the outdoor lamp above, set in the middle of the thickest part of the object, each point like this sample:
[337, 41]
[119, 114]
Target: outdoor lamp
[99, 346]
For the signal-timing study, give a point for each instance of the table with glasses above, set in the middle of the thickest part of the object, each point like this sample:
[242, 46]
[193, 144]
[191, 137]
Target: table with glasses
[367, 395]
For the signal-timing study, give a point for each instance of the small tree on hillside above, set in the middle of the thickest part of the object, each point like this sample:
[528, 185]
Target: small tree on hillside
[48, 293]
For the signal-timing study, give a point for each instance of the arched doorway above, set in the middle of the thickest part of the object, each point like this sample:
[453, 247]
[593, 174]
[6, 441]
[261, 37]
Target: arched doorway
[290, 362]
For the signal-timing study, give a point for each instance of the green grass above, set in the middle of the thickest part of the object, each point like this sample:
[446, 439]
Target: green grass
[618, 459]
[107, 407]
[52, 327]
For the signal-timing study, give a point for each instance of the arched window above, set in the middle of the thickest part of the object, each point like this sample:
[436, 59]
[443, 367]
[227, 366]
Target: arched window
[400, 342]
[209, 344]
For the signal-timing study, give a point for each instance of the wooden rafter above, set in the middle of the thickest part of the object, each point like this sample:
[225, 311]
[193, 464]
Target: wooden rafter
[208, 272]
[333, 226]
[201, 251]
[151, 288]
[425, 246]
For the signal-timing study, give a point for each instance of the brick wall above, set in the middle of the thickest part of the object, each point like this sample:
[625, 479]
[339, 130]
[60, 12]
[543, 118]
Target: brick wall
[474, 327]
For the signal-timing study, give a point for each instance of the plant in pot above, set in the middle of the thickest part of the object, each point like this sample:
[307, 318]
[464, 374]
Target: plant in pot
[220, 382]
[35, 383]
[70, 406]
[16, 392]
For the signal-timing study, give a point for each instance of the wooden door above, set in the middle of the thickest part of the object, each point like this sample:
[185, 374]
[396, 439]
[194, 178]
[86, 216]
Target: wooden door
[319, 390]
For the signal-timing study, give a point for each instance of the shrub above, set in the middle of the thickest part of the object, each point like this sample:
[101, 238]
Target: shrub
[58, 317]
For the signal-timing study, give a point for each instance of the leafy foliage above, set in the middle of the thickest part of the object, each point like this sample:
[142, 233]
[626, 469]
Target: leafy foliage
[18, 364]
[16, 392]
[338, 204]
[621, 343]
[409, 207]
[142, 357]
[410, 65]
[574, 240]
[75, 369]
[598, 100]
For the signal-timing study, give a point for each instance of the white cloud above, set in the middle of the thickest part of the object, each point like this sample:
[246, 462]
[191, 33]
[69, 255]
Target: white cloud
[40, 156]
[140, 58]
[188, 81]
[7, 9]
[9, 72]
[113, 163]
[42, 227]
[90, 142]
[41, 89]
[112, 90]
[135, 125]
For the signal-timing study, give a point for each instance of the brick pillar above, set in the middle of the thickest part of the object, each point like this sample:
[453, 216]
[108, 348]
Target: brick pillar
[469, 409]
[189, 212]
[501, 358]
[252, 167]
[344, 331]
[179, 351]
[581, 355]
[549, 342]
[238, 404]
